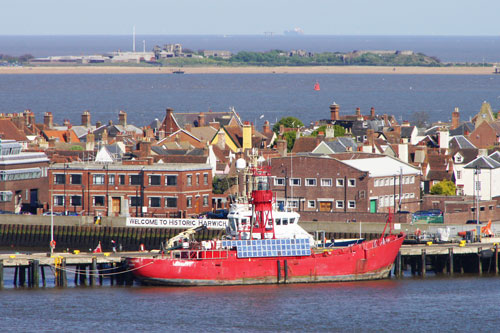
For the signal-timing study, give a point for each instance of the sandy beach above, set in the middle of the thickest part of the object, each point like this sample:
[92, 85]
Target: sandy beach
[248, 70]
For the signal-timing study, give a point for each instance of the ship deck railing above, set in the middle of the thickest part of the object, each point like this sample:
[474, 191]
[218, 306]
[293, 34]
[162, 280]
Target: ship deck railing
[200, 254]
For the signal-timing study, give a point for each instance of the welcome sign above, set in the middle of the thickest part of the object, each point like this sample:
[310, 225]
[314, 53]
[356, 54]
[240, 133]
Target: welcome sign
[175, 223]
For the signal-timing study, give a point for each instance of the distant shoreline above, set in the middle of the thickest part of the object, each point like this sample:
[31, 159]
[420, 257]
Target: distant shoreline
[248, 70]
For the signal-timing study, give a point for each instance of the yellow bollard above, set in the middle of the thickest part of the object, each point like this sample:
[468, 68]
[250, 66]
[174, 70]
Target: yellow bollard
[76, 251]
[429, 243]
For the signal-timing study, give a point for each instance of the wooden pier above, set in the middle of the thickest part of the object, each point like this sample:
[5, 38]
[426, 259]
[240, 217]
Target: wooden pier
[450, 259]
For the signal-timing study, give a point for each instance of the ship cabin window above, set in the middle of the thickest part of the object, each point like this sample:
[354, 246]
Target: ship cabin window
[262, 186]
[244, 221]
[232, 223]
[277, 221]
[292, 220]
[284, 221]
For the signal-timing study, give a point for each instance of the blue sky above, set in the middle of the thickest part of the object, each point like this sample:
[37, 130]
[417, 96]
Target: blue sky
[327, 17]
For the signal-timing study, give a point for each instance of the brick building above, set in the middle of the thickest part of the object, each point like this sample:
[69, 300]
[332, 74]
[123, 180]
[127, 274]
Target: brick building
[134, 188]
[323, 183]
[23, 178]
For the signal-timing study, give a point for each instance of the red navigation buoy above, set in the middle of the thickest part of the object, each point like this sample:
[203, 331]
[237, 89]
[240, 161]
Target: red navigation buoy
[316, 86]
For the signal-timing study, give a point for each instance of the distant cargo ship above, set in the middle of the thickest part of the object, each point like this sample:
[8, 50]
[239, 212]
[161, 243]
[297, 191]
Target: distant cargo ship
[294, 32]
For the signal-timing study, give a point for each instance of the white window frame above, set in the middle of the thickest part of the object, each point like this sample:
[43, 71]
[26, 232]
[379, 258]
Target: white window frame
[176, 202]
[339, 182]
[149, 180]
[279, 181]
[56, 197]
[312, 180]
[96, 179]
[311, 203]
[351, 204]
[159, 203]
[292, 180]
[205, 200]
[339, 204]
[189, 202]
[325, 181]
[351, 180]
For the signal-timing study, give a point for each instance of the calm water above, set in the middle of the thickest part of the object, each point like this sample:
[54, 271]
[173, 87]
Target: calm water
[145, 97]
[410, 305]
[447, 48]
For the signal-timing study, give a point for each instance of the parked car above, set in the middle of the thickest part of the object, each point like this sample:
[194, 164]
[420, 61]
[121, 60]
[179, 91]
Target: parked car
[473, 222]
[435, 212]
[52, 213]
[422, 213]
[218, 214]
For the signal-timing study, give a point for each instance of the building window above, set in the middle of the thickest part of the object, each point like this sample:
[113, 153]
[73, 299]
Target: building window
[205, 179]
[189, 180]
[351, 182]
[121, 178]
[189, 202]
[326, 182]
[171, 202]
[386, 182]
[340, 182]
[294, 181]
[412, 179]
[75, 179]
[351, 204]
[98, 179]
[58, 200]
[171, 180]
[339, 204]
[99, 200]
[59, 179]
[155, 202]
[135, 201]
[311, 203]
[135, 180]
[459, 174]
[281, 204]
[75, 200]
[310, 181]
[154, 180]
[197, 179]
[279, 181]
[205, 200]
[5, 196]
[293, 203]
[111, 179]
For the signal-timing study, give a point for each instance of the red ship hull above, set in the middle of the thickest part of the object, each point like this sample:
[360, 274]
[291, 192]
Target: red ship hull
[366, 261]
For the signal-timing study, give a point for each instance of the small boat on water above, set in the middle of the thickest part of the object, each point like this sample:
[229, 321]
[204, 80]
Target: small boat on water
[179, 71]
[264, 246]
[316, 86]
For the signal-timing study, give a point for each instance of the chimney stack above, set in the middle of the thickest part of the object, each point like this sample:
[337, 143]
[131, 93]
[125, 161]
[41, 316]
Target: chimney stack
[86, 118]
[266, 128]
[358, 112]
[48, 120]
[372, 113]
[281, 146]
[201, 119]
[455, 119]
[334, 111]
[122, 118]
[169, 122]
[98, 124]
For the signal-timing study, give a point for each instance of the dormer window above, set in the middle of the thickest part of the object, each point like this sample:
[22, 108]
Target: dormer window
[459, 158]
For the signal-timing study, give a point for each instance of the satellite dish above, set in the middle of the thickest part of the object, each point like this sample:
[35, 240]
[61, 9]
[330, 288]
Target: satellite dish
[241, 164]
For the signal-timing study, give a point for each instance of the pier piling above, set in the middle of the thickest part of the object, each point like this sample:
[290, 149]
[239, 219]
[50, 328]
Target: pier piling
[479, 263]
[450, 259]
[1, 273]
[422, 268]
[93, 271]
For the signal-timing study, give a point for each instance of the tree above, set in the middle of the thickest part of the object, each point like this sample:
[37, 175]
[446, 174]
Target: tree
[420, 118]
[288, 122]
[221, 184]
[444, 187]
[337, 129]
[290, 140]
